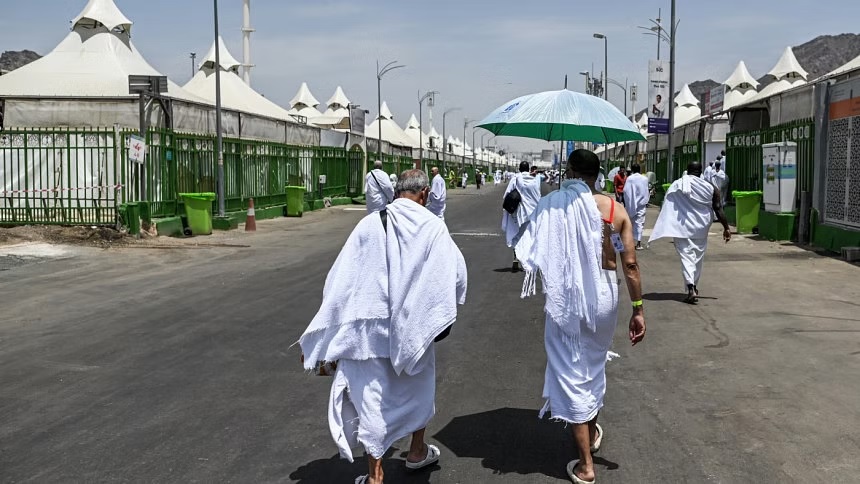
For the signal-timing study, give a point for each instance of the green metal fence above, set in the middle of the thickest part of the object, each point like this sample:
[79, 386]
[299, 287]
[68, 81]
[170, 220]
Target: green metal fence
[744, 154]
[684, 154]
[62, 176]
[81, 176]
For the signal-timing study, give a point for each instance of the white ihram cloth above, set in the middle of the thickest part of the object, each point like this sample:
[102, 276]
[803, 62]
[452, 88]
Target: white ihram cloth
[378, 190]
[637, 194]
[387, 296]
[708, 174]
[529, 188]
[721, 181]
[686, 216]
[581, 299]
[438, 194]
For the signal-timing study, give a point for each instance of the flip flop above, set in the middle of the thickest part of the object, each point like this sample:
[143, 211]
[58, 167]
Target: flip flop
[598, 440]
[362, 479]
[432, 457]
[570, 467]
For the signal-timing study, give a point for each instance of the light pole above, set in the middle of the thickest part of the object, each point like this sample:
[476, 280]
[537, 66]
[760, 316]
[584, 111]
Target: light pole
[444, 138]
[219, 140]
[379, 73]
[466, 123]
[193, 65]
[657, 30]
[623, 88]
[673, 27]
[587, 81]
[428, 95]
[605, 64]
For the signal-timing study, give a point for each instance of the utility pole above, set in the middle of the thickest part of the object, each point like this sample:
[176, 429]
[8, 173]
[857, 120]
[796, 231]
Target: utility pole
[193, 64]
[219, 139]
[673, 29]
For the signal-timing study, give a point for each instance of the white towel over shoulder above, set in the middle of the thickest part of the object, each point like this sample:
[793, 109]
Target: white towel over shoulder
[687, 210]
[388, 295]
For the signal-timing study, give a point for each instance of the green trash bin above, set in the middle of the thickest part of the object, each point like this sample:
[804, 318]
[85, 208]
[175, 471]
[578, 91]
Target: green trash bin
[295, 201]
[198, 209]
[133, 214]
[609, 186]
[747, 205]
[666, 187]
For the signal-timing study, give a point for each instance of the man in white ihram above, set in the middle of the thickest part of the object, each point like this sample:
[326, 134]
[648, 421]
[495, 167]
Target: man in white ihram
[528, 186]
[575, 238]
[721, 180]
[378, 190]
[438, 194]
[637, 194]
[687, 213]
[384, 304]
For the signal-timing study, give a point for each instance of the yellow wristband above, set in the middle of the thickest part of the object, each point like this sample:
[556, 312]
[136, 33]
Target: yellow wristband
[637, 304]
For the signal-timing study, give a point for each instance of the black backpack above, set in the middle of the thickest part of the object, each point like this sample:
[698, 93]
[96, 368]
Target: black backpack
[512, 201]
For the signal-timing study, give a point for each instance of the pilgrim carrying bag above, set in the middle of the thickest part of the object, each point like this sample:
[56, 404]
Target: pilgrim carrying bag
[512, 201]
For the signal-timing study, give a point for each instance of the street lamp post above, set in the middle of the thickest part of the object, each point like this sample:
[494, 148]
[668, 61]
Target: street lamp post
[421, 99]
[673, 30]
[466, 123]
[605, 64]
[444, 138]
[193, 64]
[379, 73]
[219, 140]
[587, 81]
[623, 88]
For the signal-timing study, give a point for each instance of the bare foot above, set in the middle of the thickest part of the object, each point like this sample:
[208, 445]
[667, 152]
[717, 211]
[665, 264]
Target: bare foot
[580, 472]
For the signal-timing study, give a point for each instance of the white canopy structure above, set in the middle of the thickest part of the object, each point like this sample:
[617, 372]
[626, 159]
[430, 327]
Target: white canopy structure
[686, 107]
[305, 104]
[787, 73]
[853, 64]
[436, 138]
[741, 87]
[235, 93]
[391, 132]
[413, 130]
[337, 115]
[94, 60]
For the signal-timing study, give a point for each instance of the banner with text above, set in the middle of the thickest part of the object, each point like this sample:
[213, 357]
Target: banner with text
[658, 97]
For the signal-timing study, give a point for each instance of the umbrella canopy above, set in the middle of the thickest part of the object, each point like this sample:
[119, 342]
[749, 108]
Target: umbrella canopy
[561, 116]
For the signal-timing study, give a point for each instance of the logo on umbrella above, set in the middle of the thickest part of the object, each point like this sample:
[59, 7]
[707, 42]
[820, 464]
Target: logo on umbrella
[510, 108]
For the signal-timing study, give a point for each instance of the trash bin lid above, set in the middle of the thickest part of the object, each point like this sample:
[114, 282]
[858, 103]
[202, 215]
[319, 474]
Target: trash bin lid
[737, 194]
[208, 196]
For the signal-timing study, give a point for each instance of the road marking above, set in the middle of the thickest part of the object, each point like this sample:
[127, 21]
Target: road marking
[474, 234]
[356, 209]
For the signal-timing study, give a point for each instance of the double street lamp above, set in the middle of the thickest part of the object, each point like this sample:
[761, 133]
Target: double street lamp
[605, 63]
[428, 95]
[379, 73]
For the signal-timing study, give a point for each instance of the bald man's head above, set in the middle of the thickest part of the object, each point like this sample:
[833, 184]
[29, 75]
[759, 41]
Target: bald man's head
[694, 168]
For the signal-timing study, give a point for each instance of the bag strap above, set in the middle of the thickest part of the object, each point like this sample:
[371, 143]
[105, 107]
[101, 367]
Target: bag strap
[383, 215]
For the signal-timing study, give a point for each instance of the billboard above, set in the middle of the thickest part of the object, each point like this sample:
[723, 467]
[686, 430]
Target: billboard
[714, 99]
[659, 98]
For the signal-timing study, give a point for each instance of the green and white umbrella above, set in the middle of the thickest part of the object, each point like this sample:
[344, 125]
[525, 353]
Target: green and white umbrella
[562, 116]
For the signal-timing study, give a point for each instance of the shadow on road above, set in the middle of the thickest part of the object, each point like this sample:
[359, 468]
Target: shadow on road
[514, 440]
[335, 469]
[671, 296]
[505, 269]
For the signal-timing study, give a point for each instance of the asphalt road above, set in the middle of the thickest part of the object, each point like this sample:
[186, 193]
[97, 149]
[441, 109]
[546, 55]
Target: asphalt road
[175, 365]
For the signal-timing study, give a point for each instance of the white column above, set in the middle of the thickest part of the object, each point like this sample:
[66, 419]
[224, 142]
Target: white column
[246, 41]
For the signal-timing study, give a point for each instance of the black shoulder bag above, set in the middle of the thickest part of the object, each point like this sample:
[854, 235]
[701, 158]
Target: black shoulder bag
[512, 201]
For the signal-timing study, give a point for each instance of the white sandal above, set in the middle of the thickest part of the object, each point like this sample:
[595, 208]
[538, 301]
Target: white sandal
[432, 457]
[570, 467]
[598, 440]
[362, 479]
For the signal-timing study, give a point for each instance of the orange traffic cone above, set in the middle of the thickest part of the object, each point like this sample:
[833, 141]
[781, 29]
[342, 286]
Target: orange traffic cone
[251, 220]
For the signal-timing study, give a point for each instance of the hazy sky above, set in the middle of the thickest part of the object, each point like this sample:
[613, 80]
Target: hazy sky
[478, 54]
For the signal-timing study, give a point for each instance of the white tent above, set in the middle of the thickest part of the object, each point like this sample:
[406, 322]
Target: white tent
[850, 66]
[413, 130]
[337, 114]
[741, 87]
[391, 132]
[305, 104]
[235, 94]
[94, 60]
[787, 73]
[686, 107]
[434, 135]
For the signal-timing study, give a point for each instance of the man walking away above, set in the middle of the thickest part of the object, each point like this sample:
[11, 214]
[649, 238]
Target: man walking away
[465, 178]
[618, 182]
[528, 186]
[708, 174]
[377, 329]
[686, 216]
[438, 194]
[378, 190]
[637, 194]
[721, 180]
[574, 240]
